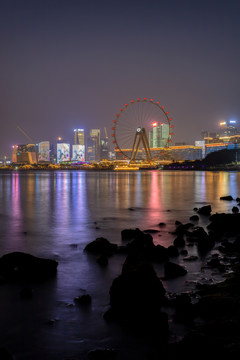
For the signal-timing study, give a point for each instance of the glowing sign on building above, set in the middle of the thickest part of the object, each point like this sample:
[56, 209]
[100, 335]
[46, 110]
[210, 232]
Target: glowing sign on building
[223, 123]
[78, 152]
[63, 152]
[44, 151]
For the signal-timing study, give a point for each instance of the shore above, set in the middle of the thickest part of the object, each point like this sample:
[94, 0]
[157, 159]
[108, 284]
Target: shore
[138, 302]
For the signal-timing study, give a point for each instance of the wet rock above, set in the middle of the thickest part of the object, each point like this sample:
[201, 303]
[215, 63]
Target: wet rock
[238, 199]
[215, 263]
[83, 299]
[228, 197]
[129, 234]
[194, 218]
[225, 224]
[26, 293]
[102, 354]
[137, 294]
[172, 270]
[159, 254]
[195, 209]
[197, 232]
[101, 246]
[103, 260]
[235, 209]
[5, 354]
[162, 224]
[177, 223]
[173, 251]
[205, 210]
[183, 228]
[179, 241]
[184, 252]
[184, 308]
[18, 266]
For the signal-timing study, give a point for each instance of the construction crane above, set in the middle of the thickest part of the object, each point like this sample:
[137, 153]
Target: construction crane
[24, 133]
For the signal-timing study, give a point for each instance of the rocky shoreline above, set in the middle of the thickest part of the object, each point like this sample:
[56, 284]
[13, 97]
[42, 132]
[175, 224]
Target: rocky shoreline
[138, 301]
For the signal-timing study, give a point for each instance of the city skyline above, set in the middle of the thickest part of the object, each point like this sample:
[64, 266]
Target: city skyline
[70, 64]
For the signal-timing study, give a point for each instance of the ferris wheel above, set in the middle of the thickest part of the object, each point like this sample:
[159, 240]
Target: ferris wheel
[135, 123]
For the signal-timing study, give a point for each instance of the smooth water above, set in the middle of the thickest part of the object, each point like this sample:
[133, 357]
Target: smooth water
[55, 214]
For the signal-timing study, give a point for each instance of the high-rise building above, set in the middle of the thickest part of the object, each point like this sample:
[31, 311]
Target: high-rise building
[104, 149]
[93, 145]
[79, 137]
[25, 154]
[159, 135]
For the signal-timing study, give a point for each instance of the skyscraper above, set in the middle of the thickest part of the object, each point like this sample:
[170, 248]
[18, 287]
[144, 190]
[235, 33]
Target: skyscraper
[93, 145]
[79, 137]
[159, 135]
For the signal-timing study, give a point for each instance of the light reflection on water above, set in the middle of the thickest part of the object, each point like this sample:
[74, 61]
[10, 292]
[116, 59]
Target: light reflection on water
[45, 213]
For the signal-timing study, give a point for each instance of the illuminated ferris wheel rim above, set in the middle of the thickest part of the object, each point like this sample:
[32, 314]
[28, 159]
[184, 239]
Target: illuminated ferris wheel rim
[125, 107]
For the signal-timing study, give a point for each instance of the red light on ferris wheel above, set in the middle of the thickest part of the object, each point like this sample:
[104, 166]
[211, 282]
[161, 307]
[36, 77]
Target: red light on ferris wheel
[112, 134]
[151, 99]
[138, 99]
[117, 115]
[121, 109]
[145, 99]
[163, 107]
[126, 104]
[132, 101]
[157, 102]
[170, 119]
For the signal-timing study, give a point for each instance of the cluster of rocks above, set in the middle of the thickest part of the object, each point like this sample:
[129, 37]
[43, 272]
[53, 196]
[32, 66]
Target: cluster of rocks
[137, 295]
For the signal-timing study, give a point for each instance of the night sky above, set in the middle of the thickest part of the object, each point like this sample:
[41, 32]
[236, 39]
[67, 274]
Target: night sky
[67, 64]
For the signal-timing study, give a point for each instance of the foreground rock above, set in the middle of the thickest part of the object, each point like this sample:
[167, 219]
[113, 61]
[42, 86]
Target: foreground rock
[101, 246]
[136, 297]
[225, 224]
[23, 267]
[205, 210]
[172, 270]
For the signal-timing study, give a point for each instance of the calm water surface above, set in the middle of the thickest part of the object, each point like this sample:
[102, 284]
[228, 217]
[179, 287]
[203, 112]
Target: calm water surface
[55, 214]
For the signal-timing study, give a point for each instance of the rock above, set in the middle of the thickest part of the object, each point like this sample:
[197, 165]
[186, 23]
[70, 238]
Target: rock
[194, 218]
[103, 260]
[225, 224]
[101, 246]
[137, 294]
[184, 308]
[228, 197]
[83, 299]
[195, 209]
[215, 263]
[197, 232]
[26, 292]
[159, 254]
[102, 354]
[5, 354]
[172, 251]
[178, 223]
[18, 266]
[179, 241]
[182, 229]
[205, 210]
[238, 199]
[129, 234]
[184, 252]
[162, 224]
[235, 209]
[173, 270]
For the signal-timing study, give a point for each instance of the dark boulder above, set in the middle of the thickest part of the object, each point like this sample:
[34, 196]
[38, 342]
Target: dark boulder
[103, 260]
[172, 270]
[137, 294]
[179, 241]
[228, 197]
[235, 209]
[194, 218]
[162, 224]
[5, 354]
[178, 223]
[173, 251]
[129, 234]
[23, 267]
[205, 210]
[159, 254]
[83, 299]
[183, 228]
[184, 308]
[101, 246]
[225, 224]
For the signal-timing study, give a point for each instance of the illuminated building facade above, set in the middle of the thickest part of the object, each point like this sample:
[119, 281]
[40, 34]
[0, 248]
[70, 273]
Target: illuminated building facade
[79, 137]
[44, 151]
[63, 152]
[78, 152]
[24, 154]
[93, 145]
[159, 135]
[104, 148]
